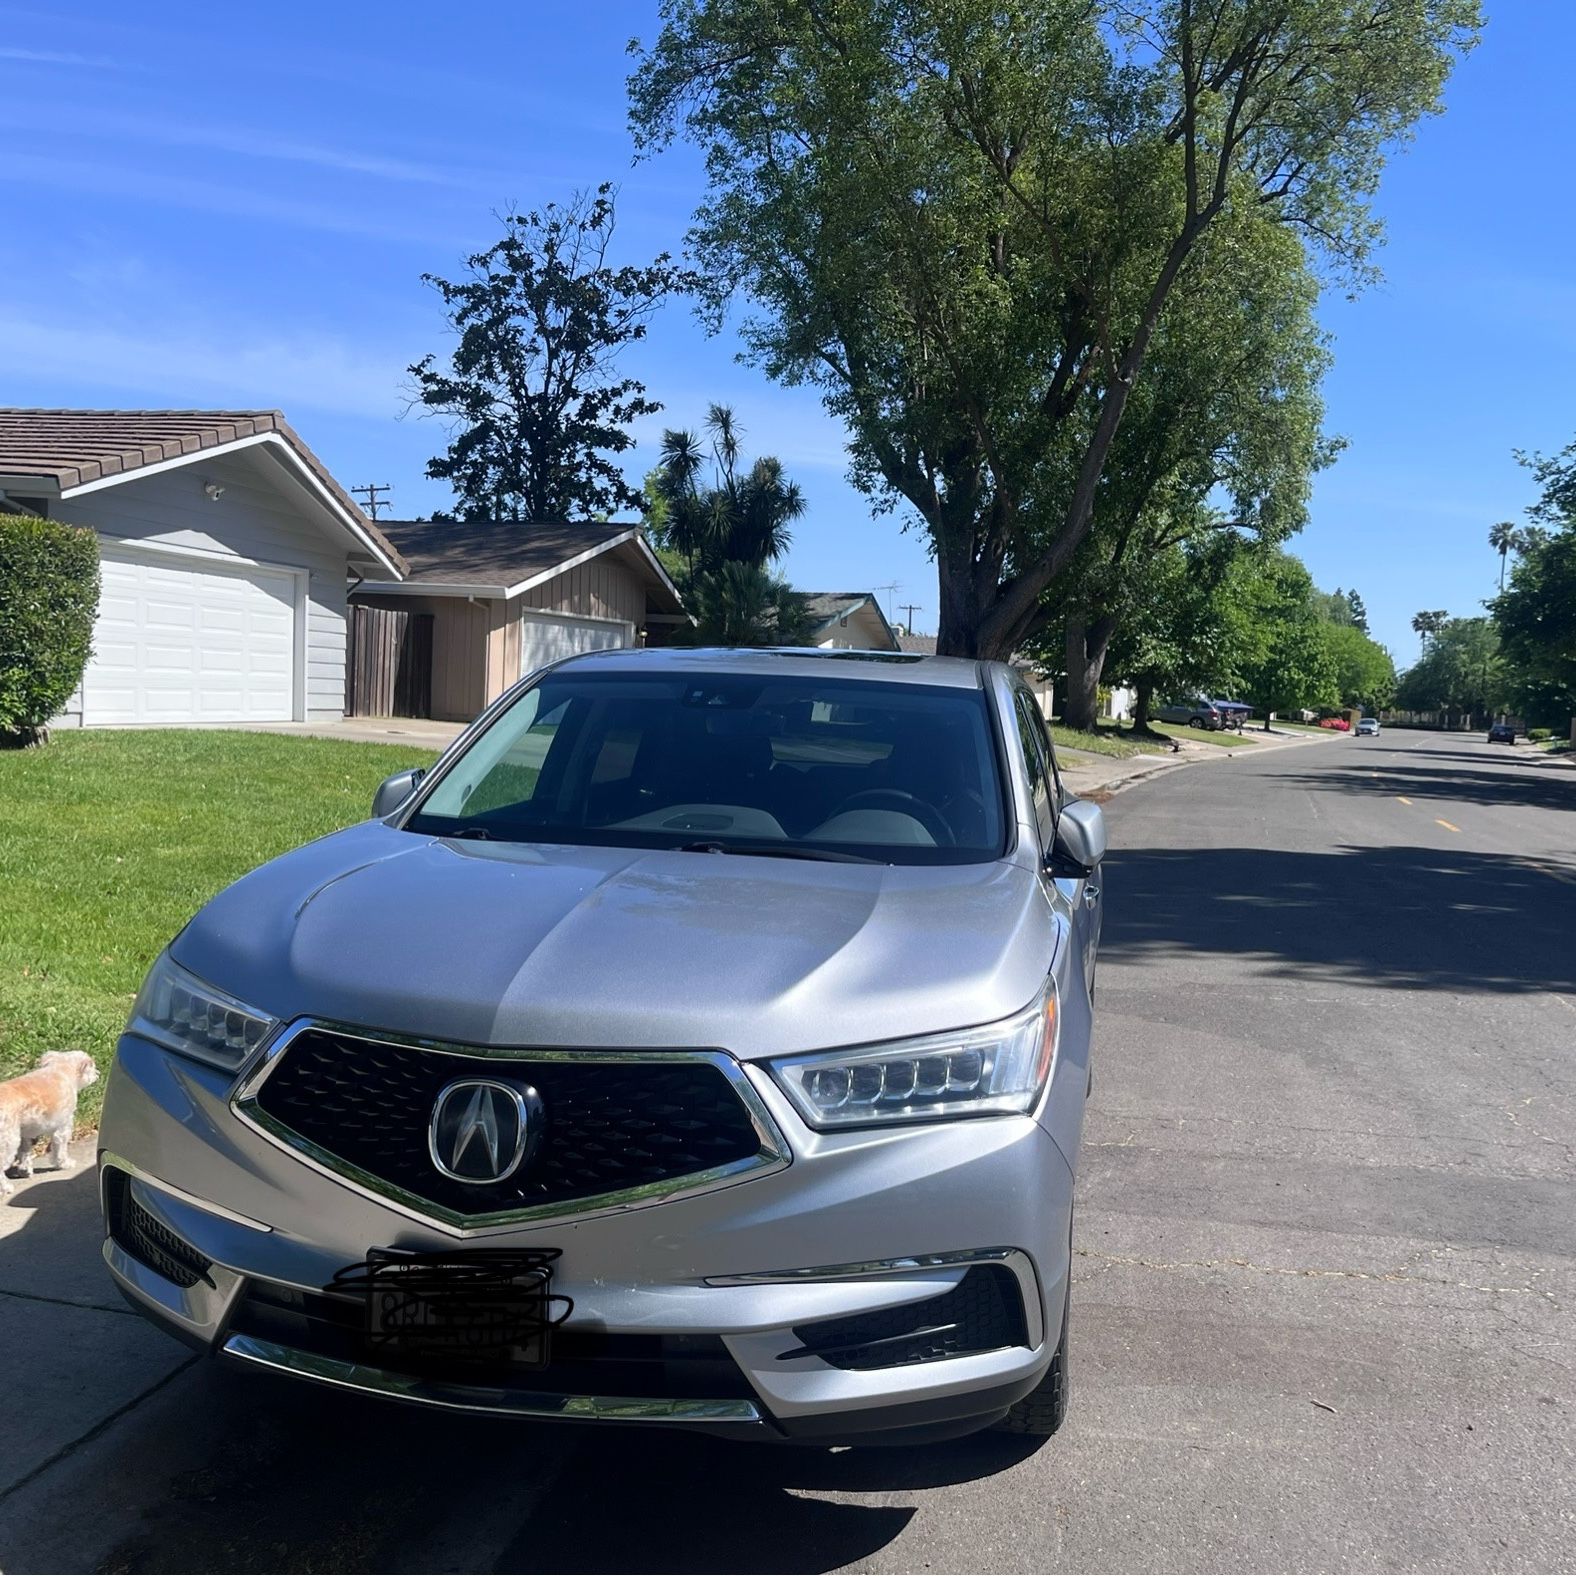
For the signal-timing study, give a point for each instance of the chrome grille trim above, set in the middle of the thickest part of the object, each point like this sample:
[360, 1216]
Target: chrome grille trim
[773, 1154]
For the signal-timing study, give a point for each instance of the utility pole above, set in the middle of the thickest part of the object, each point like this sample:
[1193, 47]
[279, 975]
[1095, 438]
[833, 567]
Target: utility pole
[371, 491]
[911, 608]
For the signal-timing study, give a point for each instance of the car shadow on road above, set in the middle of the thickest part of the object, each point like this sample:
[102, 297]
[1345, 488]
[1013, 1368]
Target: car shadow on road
[1408, 917]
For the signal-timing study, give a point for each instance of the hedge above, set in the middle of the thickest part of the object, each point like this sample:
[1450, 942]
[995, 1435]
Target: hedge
[49, 592]
[1538, 735]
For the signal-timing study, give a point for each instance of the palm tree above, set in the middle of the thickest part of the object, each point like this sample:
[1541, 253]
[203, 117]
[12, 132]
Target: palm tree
[728, 531]
[1429, 624]
[1503, 538]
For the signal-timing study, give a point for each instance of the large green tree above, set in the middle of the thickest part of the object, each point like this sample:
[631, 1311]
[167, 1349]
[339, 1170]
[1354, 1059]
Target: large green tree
[1229, 405]
[1287, 664]
[1364, 670]
[966, 220]
[537, 406]
[1536, 614]
[1462, 670]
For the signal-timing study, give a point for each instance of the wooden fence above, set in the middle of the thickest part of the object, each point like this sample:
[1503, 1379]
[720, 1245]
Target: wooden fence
[388, 667]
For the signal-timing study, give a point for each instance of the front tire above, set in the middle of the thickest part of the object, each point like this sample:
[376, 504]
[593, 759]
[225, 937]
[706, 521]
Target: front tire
[1042, 1411]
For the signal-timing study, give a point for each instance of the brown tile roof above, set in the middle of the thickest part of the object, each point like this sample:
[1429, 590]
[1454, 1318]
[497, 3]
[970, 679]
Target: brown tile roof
[495, 552]
[922, 645]
[69, 448]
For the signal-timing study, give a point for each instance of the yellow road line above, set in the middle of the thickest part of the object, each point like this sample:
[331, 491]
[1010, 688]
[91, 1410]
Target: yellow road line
[1403, 798]
[1447, 826]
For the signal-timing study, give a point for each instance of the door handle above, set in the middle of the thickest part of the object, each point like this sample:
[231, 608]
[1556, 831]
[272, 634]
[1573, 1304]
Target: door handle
[1091, 894]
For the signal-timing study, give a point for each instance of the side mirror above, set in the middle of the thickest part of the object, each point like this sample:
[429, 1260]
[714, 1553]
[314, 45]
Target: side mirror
[394, 791]
[1080, 837]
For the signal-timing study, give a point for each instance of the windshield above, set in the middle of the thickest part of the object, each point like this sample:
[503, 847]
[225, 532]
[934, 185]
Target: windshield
[902, 773]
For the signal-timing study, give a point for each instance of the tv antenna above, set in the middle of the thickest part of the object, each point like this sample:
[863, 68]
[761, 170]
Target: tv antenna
[894, 587]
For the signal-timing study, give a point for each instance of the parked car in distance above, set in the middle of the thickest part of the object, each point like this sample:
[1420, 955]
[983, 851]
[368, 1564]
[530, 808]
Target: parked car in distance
[1501, 733]
[1367, 727]
[702, 1042]
[1197, 712]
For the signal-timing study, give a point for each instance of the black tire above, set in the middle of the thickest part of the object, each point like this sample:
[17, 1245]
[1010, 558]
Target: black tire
[1197, 722]
[1042, 1411]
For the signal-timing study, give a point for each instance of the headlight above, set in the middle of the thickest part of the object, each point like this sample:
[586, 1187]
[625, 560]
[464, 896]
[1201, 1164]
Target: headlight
[180, 1011]
[997, 1069]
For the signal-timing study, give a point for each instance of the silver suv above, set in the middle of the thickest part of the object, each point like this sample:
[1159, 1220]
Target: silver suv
[703, 1041]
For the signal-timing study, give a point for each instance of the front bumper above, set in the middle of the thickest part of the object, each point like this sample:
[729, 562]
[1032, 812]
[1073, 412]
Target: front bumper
[856, 1224]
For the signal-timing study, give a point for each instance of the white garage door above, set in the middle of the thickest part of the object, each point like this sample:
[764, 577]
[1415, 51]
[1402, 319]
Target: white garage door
[179, 639]
[544, 639]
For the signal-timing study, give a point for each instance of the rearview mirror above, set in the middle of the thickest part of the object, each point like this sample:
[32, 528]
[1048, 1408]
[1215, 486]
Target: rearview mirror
[394, 791]
[1080, 837]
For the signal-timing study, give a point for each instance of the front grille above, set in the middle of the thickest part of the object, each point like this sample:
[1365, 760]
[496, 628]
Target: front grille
[583, 1362]
[606, 1126]
[147, 1239]
[982, 1313]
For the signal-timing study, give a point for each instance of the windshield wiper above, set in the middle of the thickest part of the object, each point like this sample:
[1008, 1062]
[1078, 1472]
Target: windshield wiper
[480, 833]
[780, 851]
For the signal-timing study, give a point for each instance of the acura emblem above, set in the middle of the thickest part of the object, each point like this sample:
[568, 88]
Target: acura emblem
[481, 1129]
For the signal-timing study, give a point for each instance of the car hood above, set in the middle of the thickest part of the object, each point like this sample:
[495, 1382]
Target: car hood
[509, 944]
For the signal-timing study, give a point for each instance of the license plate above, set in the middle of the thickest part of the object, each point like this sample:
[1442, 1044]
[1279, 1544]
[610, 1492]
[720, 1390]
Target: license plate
[484, 1306]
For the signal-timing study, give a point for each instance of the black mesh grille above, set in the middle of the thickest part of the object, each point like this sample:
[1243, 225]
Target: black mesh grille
[982, 1313]
[607, 1126]
[584, 1362]
[149, 1240]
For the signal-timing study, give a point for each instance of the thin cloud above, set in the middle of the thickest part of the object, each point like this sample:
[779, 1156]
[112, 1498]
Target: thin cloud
[193, 366]
[58, 57]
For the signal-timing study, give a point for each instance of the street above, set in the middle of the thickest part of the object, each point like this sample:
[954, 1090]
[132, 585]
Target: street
[1326, 1261]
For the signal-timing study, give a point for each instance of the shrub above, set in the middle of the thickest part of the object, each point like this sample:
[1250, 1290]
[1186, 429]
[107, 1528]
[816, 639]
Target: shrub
[1538, 735]
[49, 591]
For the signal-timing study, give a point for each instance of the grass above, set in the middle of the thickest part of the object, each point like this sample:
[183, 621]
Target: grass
[1104, 741]
[1226, 739]
[110, 841]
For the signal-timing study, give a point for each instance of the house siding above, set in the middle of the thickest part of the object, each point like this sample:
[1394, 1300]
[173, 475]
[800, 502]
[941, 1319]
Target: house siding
[599, 589]
[253, 519]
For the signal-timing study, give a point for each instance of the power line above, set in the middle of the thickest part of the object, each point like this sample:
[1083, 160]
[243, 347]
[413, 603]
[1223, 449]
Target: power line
[371, 491]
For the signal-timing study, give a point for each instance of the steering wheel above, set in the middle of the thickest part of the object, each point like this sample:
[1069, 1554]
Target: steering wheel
[907, 803]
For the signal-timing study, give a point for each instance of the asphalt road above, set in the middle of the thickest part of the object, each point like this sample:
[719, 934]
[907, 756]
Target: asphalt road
[1326, 1243]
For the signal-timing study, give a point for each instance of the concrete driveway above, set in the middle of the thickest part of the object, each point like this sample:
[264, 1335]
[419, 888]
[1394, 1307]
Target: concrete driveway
[1326, 1259]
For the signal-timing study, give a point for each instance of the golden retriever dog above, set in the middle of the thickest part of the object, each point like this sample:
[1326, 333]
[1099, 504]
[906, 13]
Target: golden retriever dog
[42, 1104]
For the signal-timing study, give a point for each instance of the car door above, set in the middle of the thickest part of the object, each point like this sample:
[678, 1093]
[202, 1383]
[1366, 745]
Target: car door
[1079, 898]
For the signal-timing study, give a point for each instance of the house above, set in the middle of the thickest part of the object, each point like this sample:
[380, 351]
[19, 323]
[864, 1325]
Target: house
[1038, 681]
[482, 603]
[848, 621]
[226, 550]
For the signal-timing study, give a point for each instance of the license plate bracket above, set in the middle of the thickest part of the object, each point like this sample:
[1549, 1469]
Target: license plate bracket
[487, 1306]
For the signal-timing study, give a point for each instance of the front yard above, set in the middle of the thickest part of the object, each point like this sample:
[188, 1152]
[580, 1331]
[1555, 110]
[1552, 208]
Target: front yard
[109, 841]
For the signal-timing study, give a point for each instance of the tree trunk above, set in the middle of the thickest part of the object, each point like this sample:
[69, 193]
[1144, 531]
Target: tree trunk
[1087, 641]
[1143, 693]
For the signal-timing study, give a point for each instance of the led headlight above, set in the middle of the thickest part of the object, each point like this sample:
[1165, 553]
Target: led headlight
[997, 1069]
[177, 1010]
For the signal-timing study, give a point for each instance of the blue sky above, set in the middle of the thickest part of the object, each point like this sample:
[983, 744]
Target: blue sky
[218, 205]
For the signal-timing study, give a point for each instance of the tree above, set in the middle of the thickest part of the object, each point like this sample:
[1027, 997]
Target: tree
[1358, 611]
[1185, 626]
[532, 388]
[49, 593]
[1462, 671]
[965, 220]
[1229, 404]
[1364, 670]
[725, 532]
[1287, 664]
[1502, 538]
[1428, 625]
[1334, 607]
[1536, 615]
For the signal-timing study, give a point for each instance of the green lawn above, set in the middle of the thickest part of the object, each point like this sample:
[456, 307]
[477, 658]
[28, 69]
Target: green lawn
[110, 841]
[1107, 740]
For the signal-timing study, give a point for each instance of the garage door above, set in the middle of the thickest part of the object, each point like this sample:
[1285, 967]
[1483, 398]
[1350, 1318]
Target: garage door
[544, 640]
[181, 640]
